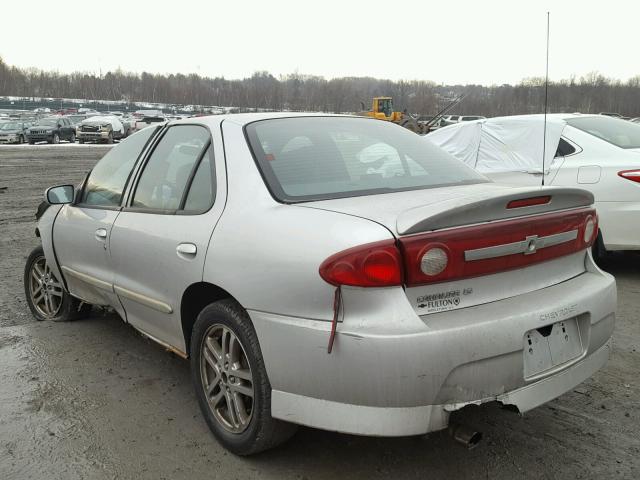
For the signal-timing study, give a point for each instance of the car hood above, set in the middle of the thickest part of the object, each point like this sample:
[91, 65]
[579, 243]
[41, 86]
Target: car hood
[414, 211]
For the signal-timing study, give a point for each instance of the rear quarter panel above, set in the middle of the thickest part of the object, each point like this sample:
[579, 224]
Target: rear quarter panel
[267, 254]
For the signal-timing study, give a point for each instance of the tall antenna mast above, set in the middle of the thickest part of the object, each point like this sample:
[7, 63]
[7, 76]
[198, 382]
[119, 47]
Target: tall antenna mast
[546, 98]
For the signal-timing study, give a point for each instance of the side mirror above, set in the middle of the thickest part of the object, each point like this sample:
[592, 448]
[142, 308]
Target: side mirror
[60, 194]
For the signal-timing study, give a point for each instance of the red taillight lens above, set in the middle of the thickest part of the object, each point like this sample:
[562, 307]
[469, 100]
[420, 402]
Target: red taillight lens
[371, 265]
[497, 246]
[633, 175]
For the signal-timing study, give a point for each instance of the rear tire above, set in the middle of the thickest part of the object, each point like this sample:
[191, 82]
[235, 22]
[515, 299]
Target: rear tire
[45, 293]
[73, 138]
[599, 251]
[226, 358]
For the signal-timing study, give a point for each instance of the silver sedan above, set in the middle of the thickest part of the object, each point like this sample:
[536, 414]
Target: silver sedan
[330, 271]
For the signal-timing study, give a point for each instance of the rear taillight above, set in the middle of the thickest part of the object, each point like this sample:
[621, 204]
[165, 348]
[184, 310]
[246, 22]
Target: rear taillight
[484, 249]
[376, 264]
[463, 252]
[633, 175]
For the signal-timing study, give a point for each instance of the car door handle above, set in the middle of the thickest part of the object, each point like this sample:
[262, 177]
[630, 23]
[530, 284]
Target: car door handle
[187, 249]
[101, 233]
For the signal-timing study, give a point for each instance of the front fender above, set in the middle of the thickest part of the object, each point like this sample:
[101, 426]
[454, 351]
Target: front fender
[45, 228]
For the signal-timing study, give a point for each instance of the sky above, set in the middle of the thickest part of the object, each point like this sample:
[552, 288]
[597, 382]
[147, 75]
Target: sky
[452, 42]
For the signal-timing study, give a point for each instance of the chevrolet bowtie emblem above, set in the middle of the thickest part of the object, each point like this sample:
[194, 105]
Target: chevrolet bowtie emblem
[532, 245]
[528, 246]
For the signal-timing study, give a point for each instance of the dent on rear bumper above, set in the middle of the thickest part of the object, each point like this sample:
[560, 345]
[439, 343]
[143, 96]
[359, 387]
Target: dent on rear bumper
[392, 364]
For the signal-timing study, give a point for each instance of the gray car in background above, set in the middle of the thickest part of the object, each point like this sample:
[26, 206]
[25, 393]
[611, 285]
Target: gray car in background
[14, 131]
[330, 271]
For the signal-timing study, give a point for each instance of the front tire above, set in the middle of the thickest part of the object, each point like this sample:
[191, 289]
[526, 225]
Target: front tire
[45, 293]
[56, 139]
[231, 381]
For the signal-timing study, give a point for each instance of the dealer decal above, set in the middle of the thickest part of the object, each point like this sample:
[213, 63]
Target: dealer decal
[439, 302]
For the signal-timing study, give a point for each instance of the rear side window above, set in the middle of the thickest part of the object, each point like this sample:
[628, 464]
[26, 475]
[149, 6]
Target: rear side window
[167, 173]
[620, 133]
[108, 178]
[317, 158]
[202, 190]
[564, 148]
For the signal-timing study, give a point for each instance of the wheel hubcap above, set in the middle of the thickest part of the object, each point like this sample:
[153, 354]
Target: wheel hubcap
[227, 379]
[45, 289]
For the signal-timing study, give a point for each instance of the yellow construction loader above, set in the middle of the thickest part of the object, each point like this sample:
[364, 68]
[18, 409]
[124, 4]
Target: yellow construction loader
[382, 109]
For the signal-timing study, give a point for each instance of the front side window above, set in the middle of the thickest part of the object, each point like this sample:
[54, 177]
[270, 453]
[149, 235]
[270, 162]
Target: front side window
[317, 158]
[108, 178]
[619, 132]
[168, 170]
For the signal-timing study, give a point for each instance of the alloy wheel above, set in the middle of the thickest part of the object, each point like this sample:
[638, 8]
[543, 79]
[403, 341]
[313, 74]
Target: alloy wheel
[45, 289]
[227, 378]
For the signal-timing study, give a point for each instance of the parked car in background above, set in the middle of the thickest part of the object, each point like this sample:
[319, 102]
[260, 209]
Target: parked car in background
[372, 285]
[76, 118]
[88, 111]
[51, 130]
[635, 120]
[148, 113]
[13, 131]
[145, 122]
[595, 152]
[610, 114]
[100, 129]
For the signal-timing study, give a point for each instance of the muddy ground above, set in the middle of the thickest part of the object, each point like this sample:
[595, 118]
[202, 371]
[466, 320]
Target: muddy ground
[93, 399]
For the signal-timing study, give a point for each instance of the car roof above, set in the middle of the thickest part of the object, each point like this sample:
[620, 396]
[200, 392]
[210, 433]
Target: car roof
[243, 119]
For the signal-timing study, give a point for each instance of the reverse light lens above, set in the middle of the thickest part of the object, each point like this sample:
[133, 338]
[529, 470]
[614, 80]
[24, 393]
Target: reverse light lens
[589, 229]
[434, 261]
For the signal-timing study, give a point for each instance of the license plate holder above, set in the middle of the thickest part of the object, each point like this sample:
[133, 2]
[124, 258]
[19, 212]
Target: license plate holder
[549, 347]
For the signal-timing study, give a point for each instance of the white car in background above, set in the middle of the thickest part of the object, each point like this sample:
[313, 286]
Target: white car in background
[100, 128]
[594, 152]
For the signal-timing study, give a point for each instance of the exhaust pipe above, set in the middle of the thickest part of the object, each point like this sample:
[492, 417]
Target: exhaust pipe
[464, 435]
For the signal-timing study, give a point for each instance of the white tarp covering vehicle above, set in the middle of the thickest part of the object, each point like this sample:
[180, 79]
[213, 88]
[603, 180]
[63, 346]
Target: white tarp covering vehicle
[503, 144]
[598, 153]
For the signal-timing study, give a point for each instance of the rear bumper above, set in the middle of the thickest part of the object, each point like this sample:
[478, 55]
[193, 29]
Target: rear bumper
[403, 376]
[403, 421]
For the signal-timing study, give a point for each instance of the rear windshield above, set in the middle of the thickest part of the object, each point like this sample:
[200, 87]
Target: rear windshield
[318, 158]
[619, 132]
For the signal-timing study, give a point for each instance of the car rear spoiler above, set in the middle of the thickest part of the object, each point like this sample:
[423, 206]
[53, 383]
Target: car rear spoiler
[489, 207]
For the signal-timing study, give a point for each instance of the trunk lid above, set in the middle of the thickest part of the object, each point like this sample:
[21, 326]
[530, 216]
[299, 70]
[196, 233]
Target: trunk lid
[405, 213]
[414, 215]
